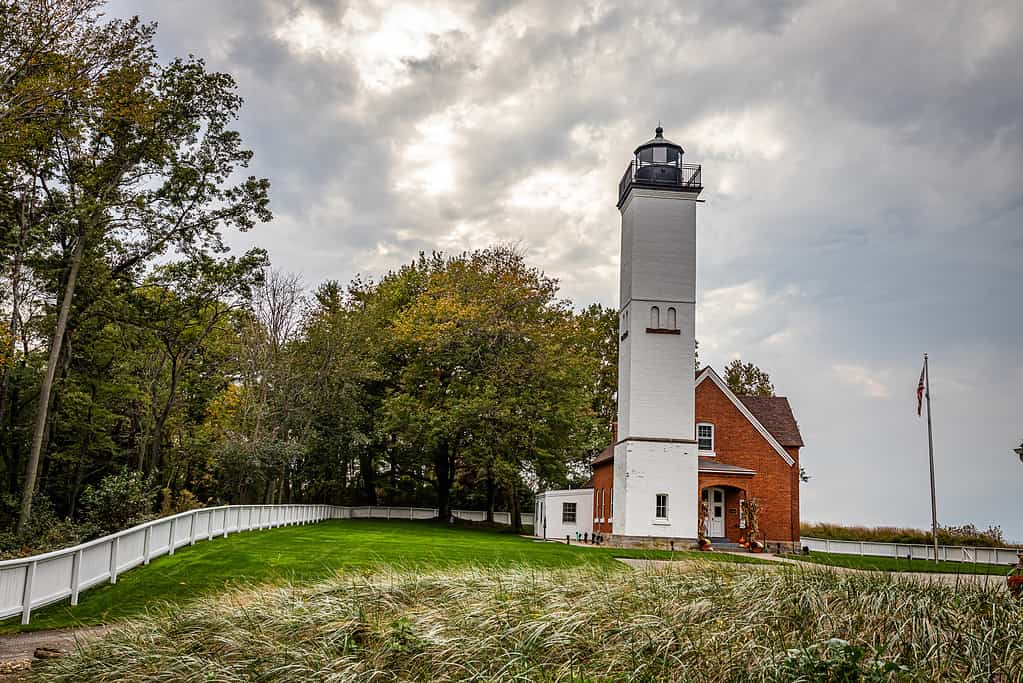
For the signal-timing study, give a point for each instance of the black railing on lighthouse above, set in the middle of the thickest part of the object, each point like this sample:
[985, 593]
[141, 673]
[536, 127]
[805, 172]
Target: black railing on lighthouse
[661, 176]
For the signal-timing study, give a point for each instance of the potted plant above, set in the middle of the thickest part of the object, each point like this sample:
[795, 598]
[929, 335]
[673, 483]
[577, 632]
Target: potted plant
[1016, 578]
[752, 508]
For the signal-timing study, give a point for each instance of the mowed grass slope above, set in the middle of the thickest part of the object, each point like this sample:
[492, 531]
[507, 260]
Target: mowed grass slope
[314, 552]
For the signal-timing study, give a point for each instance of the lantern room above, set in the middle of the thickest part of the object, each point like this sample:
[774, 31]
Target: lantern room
[658, 163]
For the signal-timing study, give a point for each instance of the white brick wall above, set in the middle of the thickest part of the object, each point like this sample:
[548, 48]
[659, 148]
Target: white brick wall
[642, 470]
[656, 371]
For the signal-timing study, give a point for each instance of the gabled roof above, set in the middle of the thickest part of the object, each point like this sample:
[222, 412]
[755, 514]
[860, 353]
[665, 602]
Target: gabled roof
[708, 374]
[775, 413]
[770, 415]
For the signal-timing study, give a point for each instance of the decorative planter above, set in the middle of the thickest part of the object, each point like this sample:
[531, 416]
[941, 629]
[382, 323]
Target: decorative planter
[1016, 586]
[704, 544]
[756, 547]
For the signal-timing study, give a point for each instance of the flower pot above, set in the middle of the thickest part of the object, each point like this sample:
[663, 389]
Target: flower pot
[756, 547]
[1016, 586]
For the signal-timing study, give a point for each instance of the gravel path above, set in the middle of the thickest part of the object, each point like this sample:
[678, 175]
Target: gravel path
[18, 649]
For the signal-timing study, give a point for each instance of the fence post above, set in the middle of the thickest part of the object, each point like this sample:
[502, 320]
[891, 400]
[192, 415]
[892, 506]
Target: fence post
[113, 558]
[191, 529]
[227, 516]
[861, 548]
[173, 535]
[146, 545]
[76, 570]
[827, 544]
[26, 594]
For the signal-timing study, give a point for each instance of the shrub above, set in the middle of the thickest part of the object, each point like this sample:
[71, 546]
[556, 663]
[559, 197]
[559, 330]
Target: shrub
[119, 501]
[45, 530]
[183, 501]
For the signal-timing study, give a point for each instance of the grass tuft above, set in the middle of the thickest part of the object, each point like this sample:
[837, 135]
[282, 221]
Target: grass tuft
[314, 552]
[709, 621]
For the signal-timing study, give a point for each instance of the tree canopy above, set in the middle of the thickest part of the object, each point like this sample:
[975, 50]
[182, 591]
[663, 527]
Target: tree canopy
[746, 379]
[145, 368]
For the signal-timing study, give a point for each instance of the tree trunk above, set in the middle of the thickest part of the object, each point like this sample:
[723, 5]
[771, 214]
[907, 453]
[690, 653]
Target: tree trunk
[83, 455]
[491, 493]
[15, 303]
[11, 445]
[369, 477]
[516, 513]
[444, 472]
[46, 389]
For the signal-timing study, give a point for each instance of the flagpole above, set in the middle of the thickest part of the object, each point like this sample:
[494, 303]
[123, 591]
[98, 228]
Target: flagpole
[930, 452]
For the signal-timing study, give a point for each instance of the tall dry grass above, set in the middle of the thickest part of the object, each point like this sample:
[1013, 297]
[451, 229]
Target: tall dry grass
[966, 534]
[719, 623]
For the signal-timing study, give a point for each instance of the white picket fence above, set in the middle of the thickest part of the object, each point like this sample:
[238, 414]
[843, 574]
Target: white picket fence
[429, 513]
[951, 553]
[27, 583]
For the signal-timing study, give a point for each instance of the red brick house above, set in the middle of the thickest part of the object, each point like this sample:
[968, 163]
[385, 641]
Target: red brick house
[748, 448]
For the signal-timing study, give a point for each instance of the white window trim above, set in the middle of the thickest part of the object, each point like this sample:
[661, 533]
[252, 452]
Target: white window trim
[667, 509]
[575, 511]
[712, 452]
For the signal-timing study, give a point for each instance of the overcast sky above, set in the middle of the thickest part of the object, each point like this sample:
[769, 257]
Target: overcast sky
[863, 165]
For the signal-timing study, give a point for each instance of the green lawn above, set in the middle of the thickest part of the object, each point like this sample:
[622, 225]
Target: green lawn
[889, 564]
[317, 551]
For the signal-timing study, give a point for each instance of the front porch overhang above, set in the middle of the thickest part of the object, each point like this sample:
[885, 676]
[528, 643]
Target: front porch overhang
[712, 466]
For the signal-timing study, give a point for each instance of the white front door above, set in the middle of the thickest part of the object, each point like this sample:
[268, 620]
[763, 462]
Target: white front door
[714, 499]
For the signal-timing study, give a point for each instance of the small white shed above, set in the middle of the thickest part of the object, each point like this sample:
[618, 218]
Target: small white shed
[563, 513]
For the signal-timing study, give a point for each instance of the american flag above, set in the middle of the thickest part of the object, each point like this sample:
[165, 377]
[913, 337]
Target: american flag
[920, 392]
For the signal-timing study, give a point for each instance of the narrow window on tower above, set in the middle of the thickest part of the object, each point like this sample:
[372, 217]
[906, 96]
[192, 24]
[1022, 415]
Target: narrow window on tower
[661, 506]
[672, 323]
[655, 318]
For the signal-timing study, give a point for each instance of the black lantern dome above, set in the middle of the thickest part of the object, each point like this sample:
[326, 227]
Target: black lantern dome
[657, 163]
[659, 160]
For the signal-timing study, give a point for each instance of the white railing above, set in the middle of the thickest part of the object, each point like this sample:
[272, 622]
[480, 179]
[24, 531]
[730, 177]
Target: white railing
[30, 582]
[950, 553]
[414, 513]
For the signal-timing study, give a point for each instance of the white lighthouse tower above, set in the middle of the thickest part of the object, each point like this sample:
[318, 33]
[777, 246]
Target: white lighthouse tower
[656, 488]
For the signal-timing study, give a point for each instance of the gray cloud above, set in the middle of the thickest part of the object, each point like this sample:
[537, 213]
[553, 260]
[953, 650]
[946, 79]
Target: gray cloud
[863, 168]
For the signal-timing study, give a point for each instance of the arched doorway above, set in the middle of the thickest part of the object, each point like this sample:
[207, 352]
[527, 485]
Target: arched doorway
[722, 505]
[713, 499]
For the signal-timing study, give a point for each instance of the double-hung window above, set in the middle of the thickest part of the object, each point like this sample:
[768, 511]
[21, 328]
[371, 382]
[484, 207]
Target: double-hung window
[705, 437]
[568, 513]
[661, 506]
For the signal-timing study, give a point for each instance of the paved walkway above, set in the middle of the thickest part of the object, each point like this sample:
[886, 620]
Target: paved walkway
[983, 580]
